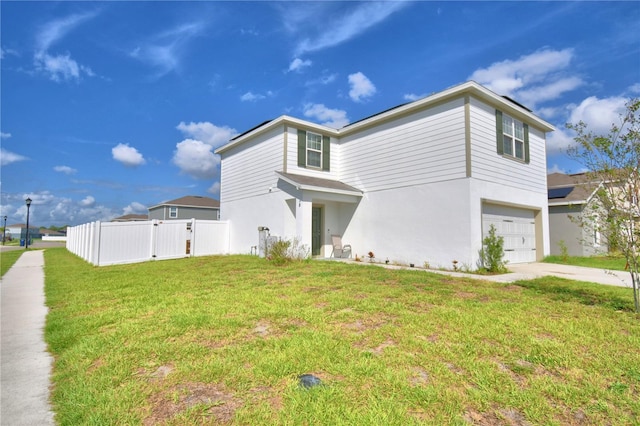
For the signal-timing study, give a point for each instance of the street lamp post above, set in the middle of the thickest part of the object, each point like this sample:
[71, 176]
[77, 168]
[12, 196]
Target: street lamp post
[4, 231]
[28, 201]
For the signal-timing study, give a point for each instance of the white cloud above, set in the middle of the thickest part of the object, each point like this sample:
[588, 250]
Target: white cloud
[531, 79]
[8, 157]
[127, 155]
[88, 201]
[59, 67]
[5, 135]
[412, 97]
[548, 92]
[559, 141]
[194, 155]
[598, 114]
[208, 133]
[4, 52]
[135, 208]
[65, 169]
[251, 97]
[357, 20]
[214, 189]
[48, 209]
[196, 159]
[361, 87]
[555, 169]
[298, 64]
[322, 80]
[334, 118]
[164, 52]
[53, 31]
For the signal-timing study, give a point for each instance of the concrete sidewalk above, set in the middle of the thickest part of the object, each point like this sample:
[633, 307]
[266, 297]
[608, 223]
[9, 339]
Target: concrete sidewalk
[25, 364]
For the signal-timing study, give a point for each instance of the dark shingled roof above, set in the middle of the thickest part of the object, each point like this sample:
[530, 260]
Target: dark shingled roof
[193, 201]
[572, 189]
[130, 217]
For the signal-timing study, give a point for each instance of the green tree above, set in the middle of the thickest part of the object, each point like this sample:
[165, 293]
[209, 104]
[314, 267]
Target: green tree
[614, 160]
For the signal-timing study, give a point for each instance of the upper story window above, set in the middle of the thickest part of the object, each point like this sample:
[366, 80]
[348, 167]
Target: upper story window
[314, 150]
[173, 212]
[512, 137]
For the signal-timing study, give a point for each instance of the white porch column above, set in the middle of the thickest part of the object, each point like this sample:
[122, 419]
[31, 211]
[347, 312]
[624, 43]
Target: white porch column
[303, 222]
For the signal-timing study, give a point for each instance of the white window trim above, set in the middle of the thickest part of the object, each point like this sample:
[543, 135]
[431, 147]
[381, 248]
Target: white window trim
[171, 215]
[313, 150]
[513, 137]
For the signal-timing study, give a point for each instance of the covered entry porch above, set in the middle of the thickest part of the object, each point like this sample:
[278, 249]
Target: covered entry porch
[321, 208]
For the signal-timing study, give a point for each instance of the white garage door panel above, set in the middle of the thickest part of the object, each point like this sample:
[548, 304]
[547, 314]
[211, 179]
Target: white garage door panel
[516, 226]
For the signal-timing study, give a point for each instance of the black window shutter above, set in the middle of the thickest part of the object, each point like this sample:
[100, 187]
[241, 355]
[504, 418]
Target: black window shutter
[526, 143]
[302, 148]
[326, 153]
[499, 137]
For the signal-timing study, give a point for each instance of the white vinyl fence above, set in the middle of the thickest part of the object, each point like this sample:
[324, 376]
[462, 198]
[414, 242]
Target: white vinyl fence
[111, 243]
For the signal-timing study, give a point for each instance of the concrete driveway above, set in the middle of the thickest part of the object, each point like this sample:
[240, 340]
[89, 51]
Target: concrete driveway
[578, 273]
[529, 271]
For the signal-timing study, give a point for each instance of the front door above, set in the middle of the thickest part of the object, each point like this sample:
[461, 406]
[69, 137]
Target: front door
[316, 230]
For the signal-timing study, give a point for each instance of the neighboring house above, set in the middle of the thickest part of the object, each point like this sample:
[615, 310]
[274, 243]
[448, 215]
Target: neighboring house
[131, 218]
[572, 197]
[19, 231]
[51, 233]
[189, 207]
[418, 183]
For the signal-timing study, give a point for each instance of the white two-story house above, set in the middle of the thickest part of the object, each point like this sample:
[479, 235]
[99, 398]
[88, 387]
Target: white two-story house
[419, 183]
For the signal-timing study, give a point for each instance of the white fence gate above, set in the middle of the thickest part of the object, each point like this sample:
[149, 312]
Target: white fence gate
[111, 243]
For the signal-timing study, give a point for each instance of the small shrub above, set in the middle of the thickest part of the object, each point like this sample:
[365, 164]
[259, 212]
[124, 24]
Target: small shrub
[564, 251]
[284, 251]
[455, 265]
[426, 265]
[492, 252]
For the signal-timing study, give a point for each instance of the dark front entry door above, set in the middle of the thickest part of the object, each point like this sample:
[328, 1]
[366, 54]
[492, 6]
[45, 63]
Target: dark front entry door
[316, 230]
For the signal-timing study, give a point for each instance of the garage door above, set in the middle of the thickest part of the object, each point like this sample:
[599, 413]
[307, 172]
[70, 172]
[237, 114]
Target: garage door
[516, 226]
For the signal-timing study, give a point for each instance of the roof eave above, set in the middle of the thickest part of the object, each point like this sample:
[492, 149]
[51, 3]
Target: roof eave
[471, 88]
[303, 187]
[282, 120]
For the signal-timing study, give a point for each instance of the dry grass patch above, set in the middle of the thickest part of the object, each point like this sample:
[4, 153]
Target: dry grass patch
[211, 403]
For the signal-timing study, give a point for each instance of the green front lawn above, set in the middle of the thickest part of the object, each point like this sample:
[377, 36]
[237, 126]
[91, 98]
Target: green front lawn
[7, 259]
[603, 262]
[214, 340]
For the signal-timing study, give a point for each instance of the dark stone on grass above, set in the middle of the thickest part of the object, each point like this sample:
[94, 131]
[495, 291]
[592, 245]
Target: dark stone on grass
[308, 381]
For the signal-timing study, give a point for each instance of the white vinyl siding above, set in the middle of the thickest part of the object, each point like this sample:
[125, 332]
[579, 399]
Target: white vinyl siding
[292, 158]
[249, 169]
[489, 166]
[424, 147]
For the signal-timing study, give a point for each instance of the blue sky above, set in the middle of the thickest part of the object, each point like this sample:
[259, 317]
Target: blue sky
[108, 108]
